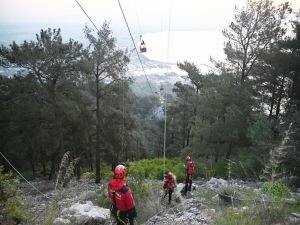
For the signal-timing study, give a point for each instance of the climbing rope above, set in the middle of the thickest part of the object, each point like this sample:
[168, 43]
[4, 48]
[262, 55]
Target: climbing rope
[23, 176]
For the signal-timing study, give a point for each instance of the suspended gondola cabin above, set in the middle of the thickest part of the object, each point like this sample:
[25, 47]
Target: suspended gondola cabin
[143, 47]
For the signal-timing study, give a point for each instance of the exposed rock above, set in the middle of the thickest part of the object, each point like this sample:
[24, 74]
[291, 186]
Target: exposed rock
[290, 201]
[78, 190]
[297, 215]
[188, 212]
[73, 209]
[61, 221]
[294, 218]
[292, 182]
[88, 196]
[83, 214]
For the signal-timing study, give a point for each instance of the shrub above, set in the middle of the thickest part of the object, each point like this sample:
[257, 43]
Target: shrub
[277, 189]
[102, 199]
[7, 185]
[51, 214]
[10, 205]
[139, 188]
[153, 168]
[248, 165]
[221, 168]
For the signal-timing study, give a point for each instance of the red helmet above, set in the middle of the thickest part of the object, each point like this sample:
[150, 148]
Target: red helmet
[188, 158]
[120, 171]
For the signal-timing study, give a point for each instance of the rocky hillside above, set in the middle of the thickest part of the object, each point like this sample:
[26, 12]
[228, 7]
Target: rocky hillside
[78, 203]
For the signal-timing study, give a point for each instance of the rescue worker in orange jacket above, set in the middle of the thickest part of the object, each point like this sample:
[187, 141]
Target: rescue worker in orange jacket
[189, 167]
[169, 185]
[123, 207]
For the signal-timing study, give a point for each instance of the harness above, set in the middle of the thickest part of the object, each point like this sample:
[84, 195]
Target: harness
[123, 190]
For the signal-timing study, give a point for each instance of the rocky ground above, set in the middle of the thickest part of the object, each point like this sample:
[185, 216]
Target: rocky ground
[56, 200]
[77, 204]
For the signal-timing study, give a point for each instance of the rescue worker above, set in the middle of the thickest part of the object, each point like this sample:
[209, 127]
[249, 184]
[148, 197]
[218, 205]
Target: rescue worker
[169, 185]
[123, 208]
[189, 167]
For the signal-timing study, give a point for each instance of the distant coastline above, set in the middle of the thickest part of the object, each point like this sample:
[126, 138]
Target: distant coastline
[176, 46]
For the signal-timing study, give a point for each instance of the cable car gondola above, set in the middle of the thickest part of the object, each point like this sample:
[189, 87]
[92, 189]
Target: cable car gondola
[143, 47]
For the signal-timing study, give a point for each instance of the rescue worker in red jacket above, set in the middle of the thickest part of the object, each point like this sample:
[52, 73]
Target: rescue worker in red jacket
[189, 167]
[169, 185]
[123, 207]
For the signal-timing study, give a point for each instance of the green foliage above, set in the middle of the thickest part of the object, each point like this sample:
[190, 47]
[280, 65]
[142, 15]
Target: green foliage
[221, 168]
[10, 200]
[139, 187]
[46, 107]
[102, 199]
[106, 172]
[257, 24]
[14, 211]
[153, 168]
[248, 165]
[89, 175]
[259, 131]
[269, 213]
[231, 216]
[248, 211]
[277, 189]
[7, 185]
[51, 214]
[200, 169]
[230, 191]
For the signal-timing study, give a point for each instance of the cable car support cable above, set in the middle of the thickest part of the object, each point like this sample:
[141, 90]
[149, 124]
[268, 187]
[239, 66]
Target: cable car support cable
[135, 46]
[87, 16]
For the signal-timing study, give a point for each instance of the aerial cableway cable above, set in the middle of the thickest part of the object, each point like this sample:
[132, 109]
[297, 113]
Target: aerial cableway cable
[137, 52]
[168, 50]
[130, 36]
[81, 7]
[87, 16]
[123, 110]
[166, 91]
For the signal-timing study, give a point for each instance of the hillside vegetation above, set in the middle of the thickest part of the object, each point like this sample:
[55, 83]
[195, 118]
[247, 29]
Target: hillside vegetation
[240, 121]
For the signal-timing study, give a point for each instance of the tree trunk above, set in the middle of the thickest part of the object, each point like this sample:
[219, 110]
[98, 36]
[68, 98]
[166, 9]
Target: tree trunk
[78, 171]
[54, 130]
[44, 172]
[272, 103]
[216, 155]
[229, 150]
[281, 90]
[188, 136]
[291, 95]
[31, 162]
[90, 153]
[91, 160]
[32, 168]
[52, 170]
[97, 153]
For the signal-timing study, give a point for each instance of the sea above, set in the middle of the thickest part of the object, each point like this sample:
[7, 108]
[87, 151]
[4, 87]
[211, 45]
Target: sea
[164, 49]
[196, 46]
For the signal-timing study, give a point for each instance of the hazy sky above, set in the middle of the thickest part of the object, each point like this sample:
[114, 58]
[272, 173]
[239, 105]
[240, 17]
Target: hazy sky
[143, 16]
[184, 14]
